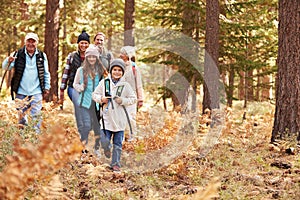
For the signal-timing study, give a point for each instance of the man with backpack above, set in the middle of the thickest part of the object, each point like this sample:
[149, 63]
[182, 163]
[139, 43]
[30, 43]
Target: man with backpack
[31, 80]
[105, 56]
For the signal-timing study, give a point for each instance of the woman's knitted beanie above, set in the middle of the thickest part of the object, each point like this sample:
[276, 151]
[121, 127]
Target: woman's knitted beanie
[92, 51]
[83, 36]
[119, 63]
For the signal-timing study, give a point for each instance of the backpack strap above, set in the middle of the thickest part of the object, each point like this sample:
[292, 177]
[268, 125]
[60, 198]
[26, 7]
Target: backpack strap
[119, 90]
[118, 93]
[108, 59]
[133, 69]
[134, 73]
[103, 125]
[128, 120]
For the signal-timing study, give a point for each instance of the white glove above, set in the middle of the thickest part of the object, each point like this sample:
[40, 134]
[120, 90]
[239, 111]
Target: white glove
[118, 99]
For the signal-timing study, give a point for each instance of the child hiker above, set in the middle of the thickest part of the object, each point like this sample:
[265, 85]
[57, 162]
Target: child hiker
[114, 94]
[86, 79]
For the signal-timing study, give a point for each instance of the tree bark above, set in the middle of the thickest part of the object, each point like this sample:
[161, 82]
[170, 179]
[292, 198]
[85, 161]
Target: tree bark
[287, 111]
[230, 87]
[52, 44]
[129, 23]
[241, 86]
[249, 85]
[265, 90]
[211, 73]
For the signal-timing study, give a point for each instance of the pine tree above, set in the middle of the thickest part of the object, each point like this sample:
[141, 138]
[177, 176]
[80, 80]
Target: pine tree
[287, 113]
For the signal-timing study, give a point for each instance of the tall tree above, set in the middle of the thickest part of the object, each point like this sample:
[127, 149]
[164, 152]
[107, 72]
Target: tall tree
[211, 73]
[248, 44]
[129, 22]
[184, 56]
[287, 112]
[52, 44]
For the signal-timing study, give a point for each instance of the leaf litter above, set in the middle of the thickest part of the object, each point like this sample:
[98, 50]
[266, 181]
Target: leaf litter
[239, 164]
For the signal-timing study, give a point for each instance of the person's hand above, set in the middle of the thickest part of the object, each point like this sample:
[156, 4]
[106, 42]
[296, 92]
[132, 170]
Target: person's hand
[81, 88]
[100, 48]
[104, 100]
[140, 104]
[118, 100]
[11, 58]
[61, 98]
[46, 94]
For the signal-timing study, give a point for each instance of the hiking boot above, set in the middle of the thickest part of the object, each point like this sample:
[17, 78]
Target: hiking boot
[116, 168]
[97, 153]
[130, 139]
[107, 153]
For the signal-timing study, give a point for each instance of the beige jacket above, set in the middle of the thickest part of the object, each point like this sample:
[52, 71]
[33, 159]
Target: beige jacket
[114, 116]
[134, 81]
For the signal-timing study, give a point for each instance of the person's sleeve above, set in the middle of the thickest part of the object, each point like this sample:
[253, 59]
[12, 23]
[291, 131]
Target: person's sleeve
[98, 92]
[66, 73]
[5, 63]
[76, 85]
[46, 73]
[111, 56]
[139, 85]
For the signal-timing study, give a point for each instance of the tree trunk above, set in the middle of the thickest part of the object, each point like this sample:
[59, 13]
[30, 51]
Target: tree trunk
[241, 86]
[211, 73]
[128, 22]
[259, 86]
[24, 16]
[265, 91]
[110, 28]
[52, 44]
[64, 36]
[230, 87]
[249, 85]
[287, 112]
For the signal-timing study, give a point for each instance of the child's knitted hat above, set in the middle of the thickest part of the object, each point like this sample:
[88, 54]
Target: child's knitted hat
[117, 62]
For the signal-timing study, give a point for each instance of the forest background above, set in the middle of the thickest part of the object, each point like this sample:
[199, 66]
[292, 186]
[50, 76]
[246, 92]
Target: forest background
[247, 36]
[244, 47]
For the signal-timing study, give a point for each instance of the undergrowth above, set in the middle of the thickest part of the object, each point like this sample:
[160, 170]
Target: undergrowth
[241, 165]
